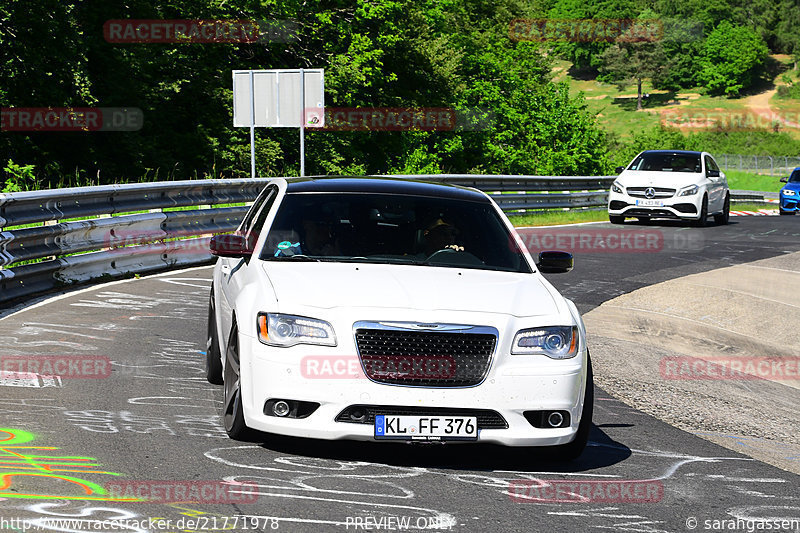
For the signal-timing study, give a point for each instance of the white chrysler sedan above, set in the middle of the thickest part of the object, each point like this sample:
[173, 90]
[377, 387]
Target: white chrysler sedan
[673, 184]
[386, 309]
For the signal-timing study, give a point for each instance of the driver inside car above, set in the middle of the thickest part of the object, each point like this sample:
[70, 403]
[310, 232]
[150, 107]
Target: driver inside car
[441, 235]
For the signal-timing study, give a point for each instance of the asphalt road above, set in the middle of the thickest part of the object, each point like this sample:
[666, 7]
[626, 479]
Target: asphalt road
[78, 447]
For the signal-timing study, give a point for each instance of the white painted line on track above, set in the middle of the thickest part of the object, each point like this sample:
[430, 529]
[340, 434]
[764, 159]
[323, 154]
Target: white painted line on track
[22, 307]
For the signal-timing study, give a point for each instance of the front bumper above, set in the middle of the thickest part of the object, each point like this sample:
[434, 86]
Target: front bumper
[513, 385]
[677, 207]
[790, 203]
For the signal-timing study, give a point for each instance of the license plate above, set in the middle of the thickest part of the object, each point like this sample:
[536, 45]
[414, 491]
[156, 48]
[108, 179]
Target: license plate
[426, 427]
[650, 203]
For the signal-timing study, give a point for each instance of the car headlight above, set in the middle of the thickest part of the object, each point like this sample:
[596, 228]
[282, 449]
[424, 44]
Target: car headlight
[616, 187]
[287, 330]
[788, 192]
[689, 191]
[556, 342]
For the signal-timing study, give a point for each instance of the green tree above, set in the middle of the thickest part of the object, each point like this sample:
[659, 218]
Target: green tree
[787, 31]
[731, 59]
[635, 55]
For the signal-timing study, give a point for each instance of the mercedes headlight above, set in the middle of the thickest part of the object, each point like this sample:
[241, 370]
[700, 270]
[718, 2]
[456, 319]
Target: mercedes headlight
[689, 191]
[616, 187]
[557, 342]
[287, 330]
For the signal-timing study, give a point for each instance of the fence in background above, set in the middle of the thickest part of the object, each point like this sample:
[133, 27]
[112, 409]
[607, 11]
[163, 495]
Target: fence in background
[772, 165]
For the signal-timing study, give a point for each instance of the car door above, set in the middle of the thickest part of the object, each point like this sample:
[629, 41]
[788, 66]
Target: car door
[232, 271]
[715, 187]
[722, 182]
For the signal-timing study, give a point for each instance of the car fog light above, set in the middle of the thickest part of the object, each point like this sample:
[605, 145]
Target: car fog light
[280, 408]
[555, 419]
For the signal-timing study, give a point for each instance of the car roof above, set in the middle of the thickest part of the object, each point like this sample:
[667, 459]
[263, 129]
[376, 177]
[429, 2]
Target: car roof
[382, 185]
[673, 152]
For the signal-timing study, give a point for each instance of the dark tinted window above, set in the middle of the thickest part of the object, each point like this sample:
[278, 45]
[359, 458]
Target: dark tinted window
[795, 177]
[386, 228]
[665, 162]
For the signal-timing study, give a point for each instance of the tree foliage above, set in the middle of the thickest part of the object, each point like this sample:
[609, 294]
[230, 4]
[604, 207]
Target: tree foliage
[392, 53]
[730, 59]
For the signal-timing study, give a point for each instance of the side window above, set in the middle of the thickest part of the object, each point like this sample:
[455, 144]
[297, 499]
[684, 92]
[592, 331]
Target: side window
[713, 164]
[708, 164]
[247, 221]
[255, 224]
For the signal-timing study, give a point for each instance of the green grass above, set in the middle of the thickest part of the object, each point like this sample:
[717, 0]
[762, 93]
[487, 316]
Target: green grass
[748, 181]
[555, 217]
[751, 206]
[616, 110]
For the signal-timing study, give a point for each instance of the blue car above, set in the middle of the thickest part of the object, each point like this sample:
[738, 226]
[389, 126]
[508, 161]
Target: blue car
[790, 194]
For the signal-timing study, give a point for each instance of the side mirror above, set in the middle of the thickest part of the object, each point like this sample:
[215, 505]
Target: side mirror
[785, 179]
[230, 245]
[555, 262]
[619, 170]
[713, 173]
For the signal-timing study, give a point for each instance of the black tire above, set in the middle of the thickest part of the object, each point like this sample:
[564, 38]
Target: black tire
[725, 216]
[232, 413]
[703, 220]
[213, 358]
[616, 219]
[574, 449]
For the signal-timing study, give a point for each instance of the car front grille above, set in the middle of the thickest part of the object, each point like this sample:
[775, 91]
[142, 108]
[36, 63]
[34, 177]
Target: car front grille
[365, 414]
[650, 213]
[660, 192]
[414, 355]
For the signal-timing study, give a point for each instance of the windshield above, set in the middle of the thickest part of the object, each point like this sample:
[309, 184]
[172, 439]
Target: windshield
[795, 177]
[661, 162]
[386, 228]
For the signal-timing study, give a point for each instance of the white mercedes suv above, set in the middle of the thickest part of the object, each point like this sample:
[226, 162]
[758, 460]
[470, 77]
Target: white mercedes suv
[670, 184]
[386, 309]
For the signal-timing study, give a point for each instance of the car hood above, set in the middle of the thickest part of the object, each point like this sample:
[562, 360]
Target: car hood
[791, 186]
[650, 178]
[331, 285]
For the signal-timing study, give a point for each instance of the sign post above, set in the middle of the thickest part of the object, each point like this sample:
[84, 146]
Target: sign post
[278, 99]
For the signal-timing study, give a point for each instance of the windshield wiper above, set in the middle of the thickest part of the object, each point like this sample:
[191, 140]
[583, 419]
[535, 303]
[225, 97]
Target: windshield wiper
[297, 257]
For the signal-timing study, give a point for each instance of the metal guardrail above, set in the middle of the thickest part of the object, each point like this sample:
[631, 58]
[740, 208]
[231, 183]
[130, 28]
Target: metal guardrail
[753, 196]
[118, 243]
[532, 192]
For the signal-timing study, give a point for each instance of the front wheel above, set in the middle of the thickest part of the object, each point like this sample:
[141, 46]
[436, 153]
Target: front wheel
[725, 216]
[232, 412]
[573, 450]
[701, 222]
[213, 357]
[616, 219]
